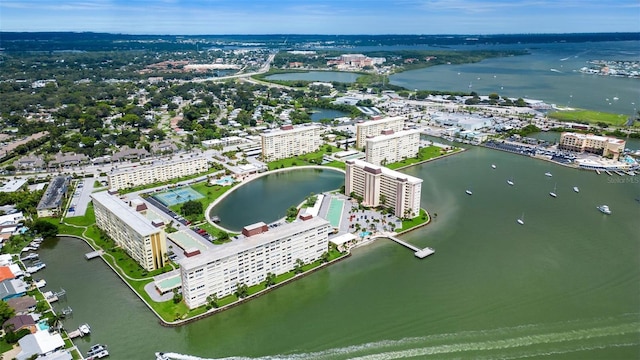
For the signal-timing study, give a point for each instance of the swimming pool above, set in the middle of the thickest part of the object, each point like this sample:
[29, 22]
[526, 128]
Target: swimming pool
[225, 181]
[42, 325]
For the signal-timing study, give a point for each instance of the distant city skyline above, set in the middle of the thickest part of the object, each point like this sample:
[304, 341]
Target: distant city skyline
[202, 17]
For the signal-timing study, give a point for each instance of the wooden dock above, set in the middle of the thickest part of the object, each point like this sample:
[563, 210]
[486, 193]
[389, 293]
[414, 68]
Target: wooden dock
[419, 253]
[93, 254]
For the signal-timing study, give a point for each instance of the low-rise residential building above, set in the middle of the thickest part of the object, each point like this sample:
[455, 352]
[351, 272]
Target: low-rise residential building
[127, 153]
[601, 145]
[51, 203]
[41, 343]
[380, 186]
[68, 159]
[248, 260]
[130, 230]
[373, 128]
[22, 305]
[290, 141]
[392, 146]
[159, 171]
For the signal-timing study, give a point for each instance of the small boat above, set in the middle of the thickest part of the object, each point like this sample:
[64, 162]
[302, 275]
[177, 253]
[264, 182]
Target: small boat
[510, 182]
[469, 192]
[553, 193]
[604, 209]
[97, 352]
[521, 220]
[597, 171]
[548, 174]
[85, 329]
[493, 166]
[575, 188]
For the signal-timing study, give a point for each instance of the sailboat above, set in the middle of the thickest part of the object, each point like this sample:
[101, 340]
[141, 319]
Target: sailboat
[553, 193]
[521, 220]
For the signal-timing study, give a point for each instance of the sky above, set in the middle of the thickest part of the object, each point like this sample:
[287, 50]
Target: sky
[429, 17]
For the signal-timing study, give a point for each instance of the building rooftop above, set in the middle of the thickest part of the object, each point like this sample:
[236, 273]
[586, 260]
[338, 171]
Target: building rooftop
[125, 213]
[54, 193]
[290, 129]
[376, 169]
[380, 121]
[237, 246]
[393, 135]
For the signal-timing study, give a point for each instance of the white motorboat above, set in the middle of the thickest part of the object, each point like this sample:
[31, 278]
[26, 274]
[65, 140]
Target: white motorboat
[469, 192]
[97, 351]
[493, 166]
[575, 188]
[510, 182]
[553, 193]
[604, 209]
[548, 174]
[521, 220]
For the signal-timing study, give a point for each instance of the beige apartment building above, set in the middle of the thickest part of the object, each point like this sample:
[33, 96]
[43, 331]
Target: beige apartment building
[380, 186]
[132, 231]
[392, 146]
[248, 260]
[601, 145]
[373, 128]
[290, 141]
[159, 171]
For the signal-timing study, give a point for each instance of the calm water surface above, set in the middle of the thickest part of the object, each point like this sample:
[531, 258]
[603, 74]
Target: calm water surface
[566, 285]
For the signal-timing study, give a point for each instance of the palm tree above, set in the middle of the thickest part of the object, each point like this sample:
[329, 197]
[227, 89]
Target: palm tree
[298, 267]
[270, 280]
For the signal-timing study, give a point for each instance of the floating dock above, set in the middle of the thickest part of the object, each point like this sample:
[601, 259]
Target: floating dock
[93, 254]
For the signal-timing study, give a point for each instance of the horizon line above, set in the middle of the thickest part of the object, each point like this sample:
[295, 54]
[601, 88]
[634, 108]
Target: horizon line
[314, 34]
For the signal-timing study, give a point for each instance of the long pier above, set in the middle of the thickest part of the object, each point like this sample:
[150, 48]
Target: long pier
[419, 253]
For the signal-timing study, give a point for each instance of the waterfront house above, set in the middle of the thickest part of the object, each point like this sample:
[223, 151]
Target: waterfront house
[22, 305]
[12, 288]
[20, 322]
[41, 343]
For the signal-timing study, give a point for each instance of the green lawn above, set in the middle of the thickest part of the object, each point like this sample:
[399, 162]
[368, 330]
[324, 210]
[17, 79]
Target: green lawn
[591, 117]
[314, 158]
[416, 221]
[424, 154]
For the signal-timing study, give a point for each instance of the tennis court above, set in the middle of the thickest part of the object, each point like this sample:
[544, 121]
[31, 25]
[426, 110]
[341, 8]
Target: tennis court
[177, 196]
[185, 241]
[334, 213]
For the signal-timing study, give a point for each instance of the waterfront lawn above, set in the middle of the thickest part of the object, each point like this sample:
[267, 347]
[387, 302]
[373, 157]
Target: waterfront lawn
[416, 221]
[88, 219]
[424, 154]
[589, 116]
[314, 158]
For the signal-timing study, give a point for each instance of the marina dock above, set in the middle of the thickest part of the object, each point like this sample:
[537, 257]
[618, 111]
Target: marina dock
[419, 253]
[93, 254]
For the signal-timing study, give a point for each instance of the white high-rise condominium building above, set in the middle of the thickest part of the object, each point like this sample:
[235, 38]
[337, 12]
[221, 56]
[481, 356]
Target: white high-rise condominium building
[374, 128]
[157, 172]
[132, 231]
[248, 260]
[380, 186]
[392, 146]
[290, 141]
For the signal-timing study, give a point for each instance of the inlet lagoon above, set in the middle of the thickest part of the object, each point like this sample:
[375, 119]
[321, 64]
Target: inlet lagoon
[566, 284]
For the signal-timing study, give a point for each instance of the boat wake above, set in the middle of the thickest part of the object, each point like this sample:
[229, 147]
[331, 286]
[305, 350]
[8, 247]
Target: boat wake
[504, 343]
